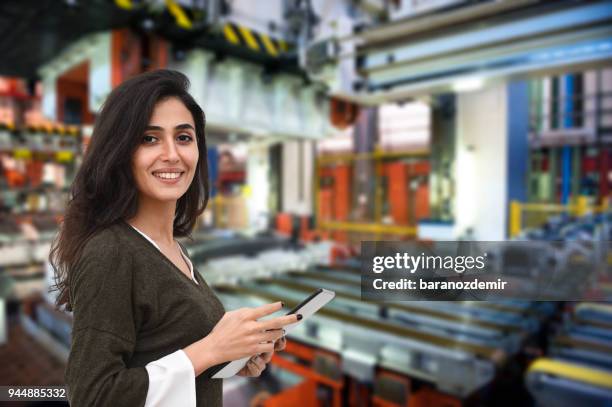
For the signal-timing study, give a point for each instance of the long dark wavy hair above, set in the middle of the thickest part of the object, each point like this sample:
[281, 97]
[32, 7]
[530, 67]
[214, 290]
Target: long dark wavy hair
[104, 190]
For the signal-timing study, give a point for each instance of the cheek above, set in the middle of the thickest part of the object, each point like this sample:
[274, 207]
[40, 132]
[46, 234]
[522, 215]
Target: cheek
[140, 167]
[191, 158]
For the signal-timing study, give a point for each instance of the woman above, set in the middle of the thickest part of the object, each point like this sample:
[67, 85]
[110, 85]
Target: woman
[146, 326]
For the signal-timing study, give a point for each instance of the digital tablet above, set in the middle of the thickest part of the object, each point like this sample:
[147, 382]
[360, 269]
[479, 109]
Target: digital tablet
[309, 306]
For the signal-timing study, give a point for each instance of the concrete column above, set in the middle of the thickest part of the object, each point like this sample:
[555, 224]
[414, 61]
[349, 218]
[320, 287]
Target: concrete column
[297, 179]
[481, 169]
[258, 186]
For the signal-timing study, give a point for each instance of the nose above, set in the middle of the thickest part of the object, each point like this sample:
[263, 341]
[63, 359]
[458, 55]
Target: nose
[169, 151]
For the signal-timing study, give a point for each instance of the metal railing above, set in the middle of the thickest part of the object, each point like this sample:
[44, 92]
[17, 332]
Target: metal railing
[530, 215]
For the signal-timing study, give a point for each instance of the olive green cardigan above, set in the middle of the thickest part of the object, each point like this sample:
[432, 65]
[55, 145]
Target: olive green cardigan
[132, 306]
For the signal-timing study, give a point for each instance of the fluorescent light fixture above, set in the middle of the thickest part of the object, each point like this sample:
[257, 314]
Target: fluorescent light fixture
[468, 84]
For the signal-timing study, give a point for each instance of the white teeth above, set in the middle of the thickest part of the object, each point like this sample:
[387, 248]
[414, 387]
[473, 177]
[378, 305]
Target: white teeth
[168, 175]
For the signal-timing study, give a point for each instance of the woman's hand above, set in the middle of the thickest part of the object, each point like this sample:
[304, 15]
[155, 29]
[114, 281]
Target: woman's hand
[239, 334]
[257, 363]
[280, 344]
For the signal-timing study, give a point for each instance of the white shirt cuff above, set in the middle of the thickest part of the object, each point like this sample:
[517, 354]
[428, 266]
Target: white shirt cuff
[171, 381]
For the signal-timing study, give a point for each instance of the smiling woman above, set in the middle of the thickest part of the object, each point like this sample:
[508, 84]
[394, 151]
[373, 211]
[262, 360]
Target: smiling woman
[146, 325]
[164, 163]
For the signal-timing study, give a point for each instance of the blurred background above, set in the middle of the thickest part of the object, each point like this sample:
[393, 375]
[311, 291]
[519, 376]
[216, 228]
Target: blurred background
[330, 122]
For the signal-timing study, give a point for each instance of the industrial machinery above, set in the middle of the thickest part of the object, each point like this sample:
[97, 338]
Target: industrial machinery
[577, 369]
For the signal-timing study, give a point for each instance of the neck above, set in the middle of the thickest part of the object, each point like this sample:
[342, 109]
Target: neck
[156, 220]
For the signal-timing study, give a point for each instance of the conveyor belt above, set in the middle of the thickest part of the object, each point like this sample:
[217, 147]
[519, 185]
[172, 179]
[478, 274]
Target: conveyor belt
[339, 267]
[594, 314]
[489, 353]
[484, 304]
[453, 330]
[350, 279]
[595, 377]
[239, 245]
[510, 319]
[590, 331]
[582, 356]
[500, 306]
[584, 344]
[604, 308]
[599, 324]
[509, 329]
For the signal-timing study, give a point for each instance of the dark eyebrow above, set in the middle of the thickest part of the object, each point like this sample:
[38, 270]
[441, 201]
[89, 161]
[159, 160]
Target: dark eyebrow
[184, 126]
[179, 127]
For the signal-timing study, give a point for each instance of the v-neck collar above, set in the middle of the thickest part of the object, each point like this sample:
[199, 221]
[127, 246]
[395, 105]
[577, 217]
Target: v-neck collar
[156, 249]
[183, 255]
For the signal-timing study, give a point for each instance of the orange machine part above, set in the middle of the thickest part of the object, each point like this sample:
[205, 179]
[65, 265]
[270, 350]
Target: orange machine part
[306, 233]
[358, 392]
[284, 224]
[126, 54]
[14, 178]
[342, 192]
[342, 113]
[397, 175]
[341, 197]
[339, 254]
[381, 402]
[335, 197]
[34, 171]
[427, 397]
[407, 207]
[303, 394]
[308, 354]
[310, 374]
[420, 208]
[72, 84]
[325, 204]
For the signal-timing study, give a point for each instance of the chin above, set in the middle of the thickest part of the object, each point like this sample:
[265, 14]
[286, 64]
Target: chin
[170, 198]
[167, 197]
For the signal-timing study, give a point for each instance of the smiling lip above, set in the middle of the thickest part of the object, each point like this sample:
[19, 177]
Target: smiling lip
[169, 180]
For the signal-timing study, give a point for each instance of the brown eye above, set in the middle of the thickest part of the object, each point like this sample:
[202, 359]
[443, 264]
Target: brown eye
[148, 139]
[185, 138]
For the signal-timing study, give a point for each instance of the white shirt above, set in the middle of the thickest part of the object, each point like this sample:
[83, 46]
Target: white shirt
[171, 378]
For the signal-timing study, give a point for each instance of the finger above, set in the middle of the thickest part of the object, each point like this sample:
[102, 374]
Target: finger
[280, 344]
[279, 322]
[264, 347]
[252, 369]
[259, 363]
[271, 335]
[267, 309]
[244, 371]
[266, 357]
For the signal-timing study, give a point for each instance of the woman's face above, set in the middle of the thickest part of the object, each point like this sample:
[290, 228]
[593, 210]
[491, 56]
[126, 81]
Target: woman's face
[164, 163]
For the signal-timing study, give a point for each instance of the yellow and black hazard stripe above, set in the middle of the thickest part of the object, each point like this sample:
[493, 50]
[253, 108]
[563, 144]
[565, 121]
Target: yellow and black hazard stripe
[124, 4]
[256, 42]
[182, 16]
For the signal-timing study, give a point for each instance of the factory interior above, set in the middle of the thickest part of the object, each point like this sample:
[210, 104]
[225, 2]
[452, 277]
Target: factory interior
[330, 123]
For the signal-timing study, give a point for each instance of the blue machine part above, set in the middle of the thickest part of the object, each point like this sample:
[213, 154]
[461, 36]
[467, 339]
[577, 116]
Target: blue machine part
[213, 169]
[590, 332]
[583, 357]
